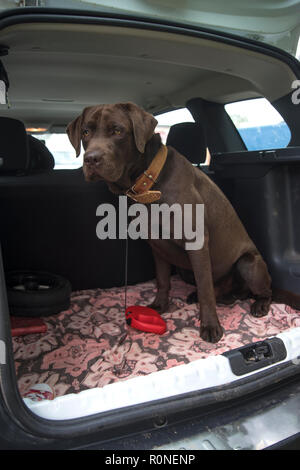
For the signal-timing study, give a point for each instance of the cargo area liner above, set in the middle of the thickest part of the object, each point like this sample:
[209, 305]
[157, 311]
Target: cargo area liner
[196, 376]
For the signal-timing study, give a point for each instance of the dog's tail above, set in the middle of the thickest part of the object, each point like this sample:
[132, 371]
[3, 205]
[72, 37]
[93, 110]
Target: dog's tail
[281, 296]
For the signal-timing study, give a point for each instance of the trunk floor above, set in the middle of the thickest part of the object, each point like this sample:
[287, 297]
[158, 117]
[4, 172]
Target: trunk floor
[90, 345]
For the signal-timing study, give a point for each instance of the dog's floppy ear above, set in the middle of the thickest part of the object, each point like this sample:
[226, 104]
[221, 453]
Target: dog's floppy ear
[143, 124]
[74, 133]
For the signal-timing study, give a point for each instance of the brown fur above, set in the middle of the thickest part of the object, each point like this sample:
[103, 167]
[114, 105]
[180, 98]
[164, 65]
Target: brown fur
[119, 145]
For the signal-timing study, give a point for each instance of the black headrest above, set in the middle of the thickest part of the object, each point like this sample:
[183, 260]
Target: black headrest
[188, 138]
[14, 149]
[40, 158]
[21, 154]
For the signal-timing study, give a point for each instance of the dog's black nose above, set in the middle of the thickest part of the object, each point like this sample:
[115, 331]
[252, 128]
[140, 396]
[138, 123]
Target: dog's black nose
[92, 158]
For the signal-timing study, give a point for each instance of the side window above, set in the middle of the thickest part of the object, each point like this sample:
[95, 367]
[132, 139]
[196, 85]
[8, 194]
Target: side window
[259, 124]
[166, 120]
[62, 151]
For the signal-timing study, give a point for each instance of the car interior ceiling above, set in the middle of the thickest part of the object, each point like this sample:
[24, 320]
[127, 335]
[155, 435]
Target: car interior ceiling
[50, 215]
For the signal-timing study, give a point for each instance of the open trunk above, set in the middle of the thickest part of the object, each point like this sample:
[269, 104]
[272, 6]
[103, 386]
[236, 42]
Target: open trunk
[58, 64]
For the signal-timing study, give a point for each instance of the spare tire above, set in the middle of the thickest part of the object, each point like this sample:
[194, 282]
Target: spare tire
[37, 293]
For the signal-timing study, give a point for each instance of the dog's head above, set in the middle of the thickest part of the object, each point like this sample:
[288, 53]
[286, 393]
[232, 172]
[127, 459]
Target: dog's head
[112, 137]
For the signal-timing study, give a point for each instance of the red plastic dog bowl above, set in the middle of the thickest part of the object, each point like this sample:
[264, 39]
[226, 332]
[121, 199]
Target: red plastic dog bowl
[145, 319]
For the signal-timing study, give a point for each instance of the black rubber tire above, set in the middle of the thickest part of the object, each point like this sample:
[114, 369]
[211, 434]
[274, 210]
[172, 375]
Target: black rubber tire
[33, 300]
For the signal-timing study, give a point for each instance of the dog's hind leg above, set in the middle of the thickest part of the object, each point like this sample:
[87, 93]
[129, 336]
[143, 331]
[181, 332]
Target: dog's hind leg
[253, 270]
[227, 290]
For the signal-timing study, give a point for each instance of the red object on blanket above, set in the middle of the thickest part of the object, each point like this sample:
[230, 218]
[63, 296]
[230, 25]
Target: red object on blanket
[25, 326]
[145, 319]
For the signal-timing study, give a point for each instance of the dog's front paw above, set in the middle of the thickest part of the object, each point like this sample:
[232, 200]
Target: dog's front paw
[160, 305]
[260, 307]
[211, 333]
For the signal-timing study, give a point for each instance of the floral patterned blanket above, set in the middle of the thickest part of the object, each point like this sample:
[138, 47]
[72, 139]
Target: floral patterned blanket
[90, 345]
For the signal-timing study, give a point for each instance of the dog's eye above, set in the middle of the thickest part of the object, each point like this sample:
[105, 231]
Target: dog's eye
[85, 132]
[116, 131]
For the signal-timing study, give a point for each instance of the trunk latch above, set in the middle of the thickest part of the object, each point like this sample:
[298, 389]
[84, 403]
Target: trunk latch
[257, 352]
[255, 356]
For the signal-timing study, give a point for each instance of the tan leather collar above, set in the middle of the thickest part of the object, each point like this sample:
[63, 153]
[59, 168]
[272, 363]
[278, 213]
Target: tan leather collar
[140, 191]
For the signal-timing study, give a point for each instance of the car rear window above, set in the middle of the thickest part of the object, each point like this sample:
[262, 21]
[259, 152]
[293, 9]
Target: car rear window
[63, 152]
[259, 124]
[168, 119]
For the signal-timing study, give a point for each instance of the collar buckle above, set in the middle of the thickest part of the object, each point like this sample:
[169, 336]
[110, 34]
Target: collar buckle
[140, 190]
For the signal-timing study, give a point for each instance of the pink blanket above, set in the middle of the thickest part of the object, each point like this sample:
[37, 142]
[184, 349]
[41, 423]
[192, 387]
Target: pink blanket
[90, 345]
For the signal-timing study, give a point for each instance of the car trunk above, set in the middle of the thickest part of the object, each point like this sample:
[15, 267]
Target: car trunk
[89, 355]
[95, 362]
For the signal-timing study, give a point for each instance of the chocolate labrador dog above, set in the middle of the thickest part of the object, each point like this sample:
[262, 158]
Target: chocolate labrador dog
[120, 146]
